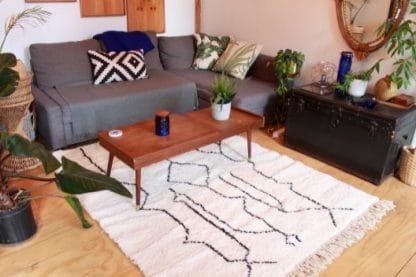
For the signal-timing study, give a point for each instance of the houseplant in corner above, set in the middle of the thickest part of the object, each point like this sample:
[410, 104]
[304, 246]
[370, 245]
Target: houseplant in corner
[286, 65]
[16, 218]
[223, 91]
[401, 47]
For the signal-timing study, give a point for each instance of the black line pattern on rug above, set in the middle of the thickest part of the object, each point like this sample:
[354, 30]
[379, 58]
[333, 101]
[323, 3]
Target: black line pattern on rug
[291, 188]
[207, 186]
[219, 152]
[215, 220]
[92, 161]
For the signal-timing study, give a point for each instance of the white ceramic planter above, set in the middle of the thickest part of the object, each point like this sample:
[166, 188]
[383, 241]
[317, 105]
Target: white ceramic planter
[221, 111]
[357, 88]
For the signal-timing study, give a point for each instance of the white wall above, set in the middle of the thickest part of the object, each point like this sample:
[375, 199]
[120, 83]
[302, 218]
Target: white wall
[66, 24]
[309, 26]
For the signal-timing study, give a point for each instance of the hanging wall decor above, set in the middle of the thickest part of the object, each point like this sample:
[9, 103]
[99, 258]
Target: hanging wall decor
[45, 1]
[102, 7]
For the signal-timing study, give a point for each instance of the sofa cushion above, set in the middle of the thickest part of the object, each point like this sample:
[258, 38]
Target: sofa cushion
[110, 67]
[237, 58]
[176, 52]
[152, 58]
[88, 109]
[117, 41]
[61, 63]
[209, 49]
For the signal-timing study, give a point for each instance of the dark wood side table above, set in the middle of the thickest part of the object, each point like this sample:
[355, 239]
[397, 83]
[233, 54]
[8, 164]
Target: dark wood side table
[364, 142]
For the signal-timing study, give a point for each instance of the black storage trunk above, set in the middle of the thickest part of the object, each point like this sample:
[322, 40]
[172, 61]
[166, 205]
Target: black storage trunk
[358, 140]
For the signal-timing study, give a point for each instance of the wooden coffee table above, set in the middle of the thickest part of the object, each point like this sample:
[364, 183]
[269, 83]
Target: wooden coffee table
[139, 146]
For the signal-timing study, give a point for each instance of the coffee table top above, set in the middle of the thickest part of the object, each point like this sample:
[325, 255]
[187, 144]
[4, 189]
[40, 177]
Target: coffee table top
[139, 146]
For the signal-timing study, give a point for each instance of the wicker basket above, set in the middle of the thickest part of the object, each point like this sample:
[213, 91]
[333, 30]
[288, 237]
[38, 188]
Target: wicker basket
[407, 170]
[13, 110]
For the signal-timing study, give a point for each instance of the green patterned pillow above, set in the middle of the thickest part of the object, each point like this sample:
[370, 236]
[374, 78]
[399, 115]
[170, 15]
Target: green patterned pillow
[237, 58]
[208, 50]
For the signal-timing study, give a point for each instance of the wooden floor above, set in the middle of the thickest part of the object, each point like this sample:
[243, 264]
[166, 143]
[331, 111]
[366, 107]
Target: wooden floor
[62, 248]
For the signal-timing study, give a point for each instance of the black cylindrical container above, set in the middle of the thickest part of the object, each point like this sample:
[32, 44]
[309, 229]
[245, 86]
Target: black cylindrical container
[17, 225]
[162, 123]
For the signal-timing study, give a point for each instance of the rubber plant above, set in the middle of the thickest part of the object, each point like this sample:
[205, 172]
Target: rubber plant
[286, 65]
[401, 47]
[72, 179]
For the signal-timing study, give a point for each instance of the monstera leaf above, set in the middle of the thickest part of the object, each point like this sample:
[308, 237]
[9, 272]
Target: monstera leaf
[9, 78]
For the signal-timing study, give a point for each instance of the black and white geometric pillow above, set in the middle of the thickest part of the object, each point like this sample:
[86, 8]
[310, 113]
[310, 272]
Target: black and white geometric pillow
[110, 67]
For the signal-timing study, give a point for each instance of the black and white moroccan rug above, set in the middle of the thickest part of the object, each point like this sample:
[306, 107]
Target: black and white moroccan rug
[210, 212]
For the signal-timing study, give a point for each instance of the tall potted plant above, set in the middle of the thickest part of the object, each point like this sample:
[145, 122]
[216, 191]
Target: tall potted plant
[401, 47]
[17, 222]
[286, 65]
[223, 91]
[16, 217]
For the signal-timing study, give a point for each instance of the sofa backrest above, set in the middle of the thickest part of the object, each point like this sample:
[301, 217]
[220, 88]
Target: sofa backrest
[263, 69]
[61, 63]
[68, 63]
[152, 58]
[177, 52]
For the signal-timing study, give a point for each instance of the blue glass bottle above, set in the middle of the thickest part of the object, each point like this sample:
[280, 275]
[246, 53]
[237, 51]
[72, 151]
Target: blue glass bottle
[344, 65]
[343, 68]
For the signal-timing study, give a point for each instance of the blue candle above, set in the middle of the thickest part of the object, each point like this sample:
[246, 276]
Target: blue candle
[162, 123]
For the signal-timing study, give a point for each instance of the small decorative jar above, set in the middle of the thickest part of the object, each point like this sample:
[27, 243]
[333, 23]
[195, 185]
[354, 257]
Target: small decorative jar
[162, 123]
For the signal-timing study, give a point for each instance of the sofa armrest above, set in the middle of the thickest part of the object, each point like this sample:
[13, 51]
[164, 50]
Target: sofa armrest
[263, 69]
[49, 119]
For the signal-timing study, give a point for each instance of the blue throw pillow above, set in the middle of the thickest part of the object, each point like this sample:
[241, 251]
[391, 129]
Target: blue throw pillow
[125, 41]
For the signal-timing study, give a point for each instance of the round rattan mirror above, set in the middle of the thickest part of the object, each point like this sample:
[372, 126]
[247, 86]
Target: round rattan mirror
[359, 20]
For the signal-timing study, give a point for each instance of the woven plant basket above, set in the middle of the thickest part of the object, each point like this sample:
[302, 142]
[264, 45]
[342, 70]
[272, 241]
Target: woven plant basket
[13, 109]
[407, 170]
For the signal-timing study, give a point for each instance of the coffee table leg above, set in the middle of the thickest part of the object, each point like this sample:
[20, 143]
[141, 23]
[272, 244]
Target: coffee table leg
[249, 144]
[138, 185]
[110, 164]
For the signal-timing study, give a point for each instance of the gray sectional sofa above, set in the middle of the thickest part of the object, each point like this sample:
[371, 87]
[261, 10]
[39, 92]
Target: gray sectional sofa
[71, 109]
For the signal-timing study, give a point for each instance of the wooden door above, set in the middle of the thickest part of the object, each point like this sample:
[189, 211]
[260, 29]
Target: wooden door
[146, 15]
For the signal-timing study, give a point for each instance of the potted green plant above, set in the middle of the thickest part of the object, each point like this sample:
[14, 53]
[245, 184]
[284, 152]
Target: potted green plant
[355, 83]
[16, 217]
[401, 47]
[223, 91]
[286, 65]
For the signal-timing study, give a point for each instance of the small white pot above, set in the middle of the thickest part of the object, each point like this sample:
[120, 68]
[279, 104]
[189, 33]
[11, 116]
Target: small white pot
[221, 111]
[357, 88]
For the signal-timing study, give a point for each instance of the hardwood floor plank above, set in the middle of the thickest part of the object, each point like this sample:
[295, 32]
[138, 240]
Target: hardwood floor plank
[62, 248]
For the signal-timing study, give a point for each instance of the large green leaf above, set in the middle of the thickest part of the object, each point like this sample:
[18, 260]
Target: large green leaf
[77, 207]
[75, 179]
[9, 78]
[21, 147]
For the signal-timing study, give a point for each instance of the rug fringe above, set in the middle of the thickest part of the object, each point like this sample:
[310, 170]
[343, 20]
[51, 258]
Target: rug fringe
[319, 261]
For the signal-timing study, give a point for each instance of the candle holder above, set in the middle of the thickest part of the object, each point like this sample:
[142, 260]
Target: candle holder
[162, 123]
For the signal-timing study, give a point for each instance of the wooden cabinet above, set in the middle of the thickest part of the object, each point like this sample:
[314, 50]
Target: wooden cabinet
[365, 142]
[146, 15]
[102, 7]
